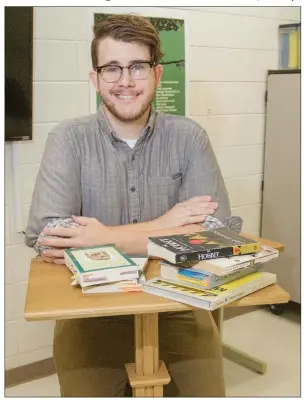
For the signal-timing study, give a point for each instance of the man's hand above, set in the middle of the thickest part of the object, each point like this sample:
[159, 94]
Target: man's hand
[191, 211]
[93, 233]
[54, 256]
[90, 233]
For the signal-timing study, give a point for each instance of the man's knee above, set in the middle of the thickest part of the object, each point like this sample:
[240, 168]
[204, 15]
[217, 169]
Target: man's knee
[90, 356]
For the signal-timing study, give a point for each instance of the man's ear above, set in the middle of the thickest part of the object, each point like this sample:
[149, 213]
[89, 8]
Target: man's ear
[94, 80]
[158, 73]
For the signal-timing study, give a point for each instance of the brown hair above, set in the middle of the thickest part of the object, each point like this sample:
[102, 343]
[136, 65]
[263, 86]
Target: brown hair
[127, 28]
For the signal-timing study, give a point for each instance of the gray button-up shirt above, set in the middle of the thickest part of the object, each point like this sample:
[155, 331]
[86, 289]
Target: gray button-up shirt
[87, 170]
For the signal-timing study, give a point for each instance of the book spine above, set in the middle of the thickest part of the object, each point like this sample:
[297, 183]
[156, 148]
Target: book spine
[192, 282]
[213, 281]
[204, 255]
[236, 268]
[251, 263]
[91, 279]
[218, 280]
[69, 263]
[247, 248]
[265, 259]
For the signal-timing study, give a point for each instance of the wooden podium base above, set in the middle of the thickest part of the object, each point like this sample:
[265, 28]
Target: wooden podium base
[148, 375]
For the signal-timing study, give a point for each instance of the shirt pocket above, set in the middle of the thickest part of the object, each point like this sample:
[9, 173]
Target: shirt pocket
[163, 193]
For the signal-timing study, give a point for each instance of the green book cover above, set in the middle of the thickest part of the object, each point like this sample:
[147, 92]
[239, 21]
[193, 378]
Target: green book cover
[98, 258]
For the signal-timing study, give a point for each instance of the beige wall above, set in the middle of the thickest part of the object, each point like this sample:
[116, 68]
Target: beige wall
[228, 53]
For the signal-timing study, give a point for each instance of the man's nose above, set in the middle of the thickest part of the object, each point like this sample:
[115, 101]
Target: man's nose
[126, 79]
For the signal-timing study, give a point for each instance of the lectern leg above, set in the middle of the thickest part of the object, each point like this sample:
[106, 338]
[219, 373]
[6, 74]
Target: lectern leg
[234, 354]
[148, 375]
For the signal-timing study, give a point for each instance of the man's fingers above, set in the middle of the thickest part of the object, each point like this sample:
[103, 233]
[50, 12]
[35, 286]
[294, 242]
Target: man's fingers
[60, 243]
[63, 232]
[48, 260]
[199, 204]
[197, 199]
[208, 211]
[204, 208]
[213, 205]
[59, 261]
[195, 220]
[54, 253]
[81, 220]
[53, 256]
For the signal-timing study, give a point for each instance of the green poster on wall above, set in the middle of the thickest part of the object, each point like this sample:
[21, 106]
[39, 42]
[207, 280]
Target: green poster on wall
[170, 95]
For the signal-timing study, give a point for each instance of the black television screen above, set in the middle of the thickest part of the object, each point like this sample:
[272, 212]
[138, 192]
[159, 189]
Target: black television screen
[18, 73]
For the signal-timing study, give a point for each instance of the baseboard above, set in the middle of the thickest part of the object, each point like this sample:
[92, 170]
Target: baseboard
[29, 372]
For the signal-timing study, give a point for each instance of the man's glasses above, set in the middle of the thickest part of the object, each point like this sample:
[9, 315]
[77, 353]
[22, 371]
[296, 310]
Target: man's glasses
[112, 73]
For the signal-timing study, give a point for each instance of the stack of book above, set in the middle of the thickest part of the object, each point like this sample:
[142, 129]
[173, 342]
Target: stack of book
[209, 269]
[105, 269]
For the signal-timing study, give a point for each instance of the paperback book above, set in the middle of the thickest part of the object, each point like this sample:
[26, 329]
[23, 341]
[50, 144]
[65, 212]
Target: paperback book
[221, 267]
[202, 280]
[213, 298]
[201, 246]
[125, 286]
[100, 264]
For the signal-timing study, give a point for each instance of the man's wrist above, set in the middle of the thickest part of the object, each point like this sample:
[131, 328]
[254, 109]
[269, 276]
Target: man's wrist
[153, 225]
[141, 226]
[111, 235]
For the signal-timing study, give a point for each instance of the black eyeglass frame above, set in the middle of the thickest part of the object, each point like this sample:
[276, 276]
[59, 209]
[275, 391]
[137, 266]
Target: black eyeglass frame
[99, 69]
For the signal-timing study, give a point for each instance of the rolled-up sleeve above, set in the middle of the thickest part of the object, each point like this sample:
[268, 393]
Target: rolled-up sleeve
[57, 192]
[202, 175]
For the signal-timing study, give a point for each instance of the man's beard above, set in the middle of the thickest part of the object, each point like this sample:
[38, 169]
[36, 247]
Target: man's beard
[129, 118]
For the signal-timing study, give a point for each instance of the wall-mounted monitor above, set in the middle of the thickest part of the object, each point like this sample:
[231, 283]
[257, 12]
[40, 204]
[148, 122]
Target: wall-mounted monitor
[18, 73]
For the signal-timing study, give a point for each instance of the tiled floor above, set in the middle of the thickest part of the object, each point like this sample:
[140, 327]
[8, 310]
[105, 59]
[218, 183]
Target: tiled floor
[274, 339]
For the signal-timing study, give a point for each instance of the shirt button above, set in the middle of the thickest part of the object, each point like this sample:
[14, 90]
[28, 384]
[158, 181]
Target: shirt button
[135, 221]
[132, 189]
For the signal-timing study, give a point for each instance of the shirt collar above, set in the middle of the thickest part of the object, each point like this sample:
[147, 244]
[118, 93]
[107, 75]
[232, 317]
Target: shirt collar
[107, 129]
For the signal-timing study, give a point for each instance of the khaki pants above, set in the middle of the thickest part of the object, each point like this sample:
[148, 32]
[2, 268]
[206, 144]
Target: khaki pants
[90, 355]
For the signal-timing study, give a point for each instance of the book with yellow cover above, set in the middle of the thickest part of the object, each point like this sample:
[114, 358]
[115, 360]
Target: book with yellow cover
[210, 299]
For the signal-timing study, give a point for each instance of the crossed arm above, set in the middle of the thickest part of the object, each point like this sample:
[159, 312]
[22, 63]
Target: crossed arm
[58, 188]
[182, 218]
